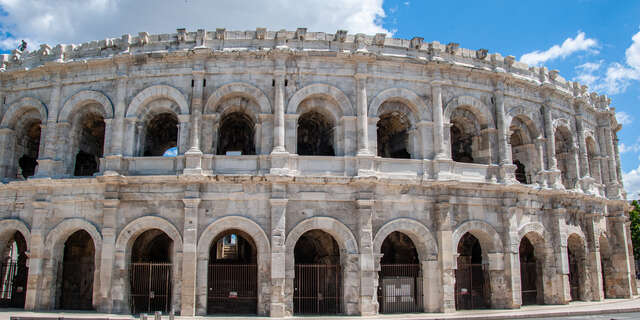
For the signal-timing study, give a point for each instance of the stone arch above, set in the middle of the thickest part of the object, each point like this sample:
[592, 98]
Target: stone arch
[124, 242]
[155, 92]
[477, 107]
[577, 261]
[419, 234]
[238, 89]
[486, 234]
[21, 106]
[8, 226]
[408, 97]
[82, 98]
[529, 116]
[324, 90]
[535, 227]
[54, 247]
[263, 247]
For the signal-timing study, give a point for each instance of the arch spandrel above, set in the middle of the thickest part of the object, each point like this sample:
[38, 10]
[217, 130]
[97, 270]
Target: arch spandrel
[240, 89]
[420, 235]
[131, 231]
[321, 90]
[153, 93]
[535, 227]
[58, 235]
[530, 118]
[20, 107]
[406, 96]
[8, 226]
[487, 234]
[82, 98]
[477, 107]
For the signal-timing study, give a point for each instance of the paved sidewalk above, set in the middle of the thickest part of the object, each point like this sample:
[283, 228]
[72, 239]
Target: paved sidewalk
[574, 309]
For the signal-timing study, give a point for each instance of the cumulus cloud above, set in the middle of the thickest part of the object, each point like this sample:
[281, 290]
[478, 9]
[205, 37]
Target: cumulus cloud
[623, 148]
[631, 181]
[623, 118]
[74, 21]
[568, 47]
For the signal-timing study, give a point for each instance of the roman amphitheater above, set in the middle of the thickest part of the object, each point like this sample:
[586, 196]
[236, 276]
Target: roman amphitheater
[314, 173]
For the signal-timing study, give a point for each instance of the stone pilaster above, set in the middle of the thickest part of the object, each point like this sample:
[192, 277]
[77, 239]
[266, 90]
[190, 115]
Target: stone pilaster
[193, 156]
[109, 228]
[40, 211]
[278, 99]
[183, 132]
[279, 297]
[438, 126]
[584, 161]
[561, 287]
[621, 258]
[513, 298]
[446, 258]
[594, 257]
[616, 152]
[554, 180]
[7, 153]
[47, 160]
[368, 274]
[189, 251]
[361, 109]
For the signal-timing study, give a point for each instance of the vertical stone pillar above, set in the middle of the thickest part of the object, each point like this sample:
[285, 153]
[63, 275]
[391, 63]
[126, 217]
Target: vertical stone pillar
[552, 162]
[109, 227]
[621, 258]
[281, 300]
[47, 159]
[40, 211]
[120, 108]
[561, 287]
[183, 132]
[513, 288]
[193, 156]
[616, 152]
[278, 99]
[613, 176]
[582, 147]
[438, 126]
[108, 135]
[7, 150]
[594, 258]
[446, 257]
[361, 109]
[189, 251]
[368, 275]
[431, 285]
[504, 153]
[139, 128]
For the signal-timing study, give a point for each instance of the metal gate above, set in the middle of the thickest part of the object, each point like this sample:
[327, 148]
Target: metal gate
[150, 285]
[470, 288]
[13, 284]
[232, 289]
[317, 289]
[77, 285]
[400, 288]
[529, 279]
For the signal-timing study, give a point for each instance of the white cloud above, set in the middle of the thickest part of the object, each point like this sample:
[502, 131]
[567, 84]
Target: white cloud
[568, 47]
[623, 148]
[631, 181]
[73, 21]
[623, 118]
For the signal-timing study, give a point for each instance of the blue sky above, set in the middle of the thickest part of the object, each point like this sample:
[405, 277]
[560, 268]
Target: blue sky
[593, 39]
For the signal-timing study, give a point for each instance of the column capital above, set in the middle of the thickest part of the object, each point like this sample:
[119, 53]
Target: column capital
[191, 202]
[278, 202]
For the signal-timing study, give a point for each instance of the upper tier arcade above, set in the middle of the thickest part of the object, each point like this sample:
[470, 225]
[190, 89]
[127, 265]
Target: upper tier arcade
[303, 104]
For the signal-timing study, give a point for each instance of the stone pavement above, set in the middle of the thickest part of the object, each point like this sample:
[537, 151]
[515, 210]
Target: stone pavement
[609, 306]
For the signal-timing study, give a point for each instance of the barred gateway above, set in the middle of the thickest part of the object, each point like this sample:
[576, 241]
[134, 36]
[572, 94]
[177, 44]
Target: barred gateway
[315, 173]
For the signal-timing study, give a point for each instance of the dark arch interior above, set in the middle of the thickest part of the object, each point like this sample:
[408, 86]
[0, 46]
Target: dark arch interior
[461, 144]
[161, 134]
[233, 274]
[564, 156]
[316, 247]
[90, 144]
[315, 135]
[152, 246]
[76, 288]
[13, 272]
[393, 136]
[397, 248]
[236, 134]
[576, 255]
[606, 266]
[30, 142]
[472, 288]
[530, 274]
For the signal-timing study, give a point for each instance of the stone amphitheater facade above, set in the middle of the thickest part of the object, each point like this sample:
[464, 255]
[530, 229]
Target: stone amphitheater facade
[351, 153]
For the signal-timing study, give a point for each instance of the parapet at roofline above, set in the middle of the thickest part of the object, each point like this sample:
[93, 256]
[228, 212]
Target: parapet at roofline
[222, 40]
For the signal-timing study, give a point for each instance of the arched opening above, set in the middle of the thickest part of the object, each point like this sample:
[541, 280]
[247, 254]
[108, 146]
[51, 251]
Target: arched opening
[469, 142]
[565, 157]
[161, 134]
[472, 290]
[523, 150]
[233, 274]
[236, 135]
[531, 283]
[577, 270]
[76, 285]
[150, 272]
[318, 274]
[14, 272]
[90, 144]
[607, 268]
[27, 148]
[393, 135]
[400, 277]
[592, 160]
[315, 135]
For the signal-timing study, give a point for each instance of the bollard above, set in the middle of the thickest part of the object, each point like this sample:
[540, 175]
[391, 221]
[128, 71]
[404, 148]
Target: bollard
[143, 316]
[172, 315]
[158, 315]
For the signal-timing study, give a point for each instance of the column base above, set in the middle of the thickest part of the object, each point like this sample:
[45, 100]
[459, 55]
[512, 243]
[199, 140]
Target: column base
[46, 168]
[280, 163]
[193, 162]
[365, 165]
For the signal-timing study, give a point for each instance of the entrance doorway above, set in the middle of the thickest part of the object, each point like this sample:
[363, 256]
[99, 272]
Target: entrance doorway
[400, 284]
[576, 255]
[317, 287]
[233, 274]
[471, 290]
[76, 285]
[529, 271]
[150, 272]
[13, 273]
